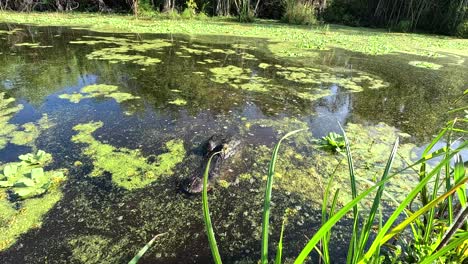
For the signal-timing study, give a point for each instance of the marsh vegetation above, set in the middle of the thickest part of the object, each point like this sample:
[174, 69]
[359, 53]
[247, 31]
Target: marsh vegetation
[99, 128]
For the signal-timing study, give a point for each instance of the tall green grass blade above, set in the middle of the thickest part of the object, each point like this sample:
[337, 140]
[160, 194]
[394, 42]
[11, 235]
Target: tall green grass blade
[454, 244]
[143, 250]
[342, 212]
[326, 254]
[448, 183]
[353, 246]
[459, 173]
[206, 214]
[382, 237]
[267, 202]
[400, 227]
[429, 226]
[279, 251]
[365, 232]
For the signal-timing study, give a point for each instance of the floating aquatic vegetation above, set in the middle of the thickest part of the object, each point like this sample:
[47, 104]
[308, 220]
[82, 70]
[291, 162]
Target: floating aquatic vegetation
[124, 46]
[332, 142]
[240, 78]
[97, 249]
[425, 65]
[264, 65]
[11, 32]
[25, 134]
[27, 193]
[129, 168]
[355, 83]
[99, 90]
[195, 51]
[178, 101]
[313, 94]
[224, 51]
[32, 45]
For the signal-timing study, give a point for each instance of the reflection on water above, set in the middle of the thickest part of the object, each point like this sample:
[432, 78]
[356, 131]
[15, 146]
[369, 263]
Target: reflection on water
[161, 88]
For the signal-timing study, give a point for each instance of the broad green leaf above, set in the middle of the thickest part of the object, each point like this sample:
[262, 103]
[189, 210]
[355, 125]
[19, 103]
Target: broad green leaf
[28, 192]
[10, 170]
[24, 182]
[37, 173]
[4, 184]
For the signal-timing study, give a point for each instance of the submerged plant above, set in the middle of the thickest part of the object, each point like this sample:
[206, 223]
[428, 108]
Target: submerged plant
[332, 142]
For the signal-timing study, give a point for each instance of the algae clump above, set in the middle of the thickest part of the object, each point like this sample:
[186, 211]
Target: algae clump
[129, 168]
[425, 65]
[178, 101]
[25, 134]
[99, 90]
[28, 192]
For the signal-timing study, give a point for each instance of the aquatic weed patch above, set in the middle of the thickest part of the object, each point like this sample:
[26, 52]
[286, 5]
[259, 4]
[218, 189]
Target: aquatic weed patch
[97, 91]
[425, 65]
[297, 41]
[24, 134]
[125, 49]
[27, 193]
[128, 167]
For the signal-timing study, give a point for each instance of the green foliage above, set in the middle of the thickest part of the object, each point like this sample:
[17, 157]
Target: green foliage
[27, 179]
[444, 244]
[462, 29]
[299, 12]
[403, 26]
[245, 14]
[332, 142]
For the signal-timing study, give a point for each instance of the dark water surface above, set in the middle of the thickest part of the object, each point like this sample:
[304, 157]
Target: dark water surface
[98, 222]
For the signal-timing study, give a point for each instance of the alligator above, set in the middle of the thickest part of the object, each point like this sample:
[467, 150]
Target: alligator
[226, 146]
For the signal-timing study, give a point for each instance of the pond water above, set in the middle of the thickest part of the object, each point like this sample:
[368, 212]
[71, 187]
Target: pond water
[124, 117]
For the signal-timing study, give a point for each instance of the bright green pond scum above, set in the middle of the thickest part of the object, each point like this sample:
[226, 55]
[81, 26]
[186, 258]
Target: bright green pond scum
[129, 169]
[97, 91]
[24, 134]
[128, 115]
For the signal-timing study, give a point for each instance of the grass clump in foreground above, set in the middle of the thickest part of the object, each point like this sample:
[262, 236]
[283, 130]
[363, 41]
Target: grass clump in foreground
[428, 226]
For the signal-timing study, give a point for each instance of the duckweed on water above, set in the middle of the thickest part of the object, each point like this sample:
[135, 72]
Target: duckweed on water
[178, 101]
[23, 135]
[32, 45]
[38, 189]
[96, 91]
[96, 249]
[129, 169]
[425, 65]
[240, 78]
[354, 81]
[124, 46]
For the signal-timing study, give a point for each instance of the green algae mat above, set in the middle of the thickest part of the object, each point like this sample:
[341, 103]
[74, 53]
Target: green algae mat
[98, 131]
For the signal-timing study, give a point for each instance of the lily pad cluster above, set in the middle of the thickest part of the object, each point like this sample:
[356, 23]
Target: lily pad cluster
[27, 179]
[129, 168]
[27, 192]
[127, 50]
[24, 134]
[99, 90]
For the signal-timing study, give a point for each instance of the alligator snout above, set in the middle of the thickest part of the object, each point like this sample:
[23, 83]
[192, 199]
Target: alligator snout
[227, 148]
